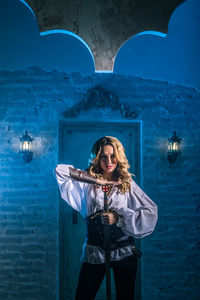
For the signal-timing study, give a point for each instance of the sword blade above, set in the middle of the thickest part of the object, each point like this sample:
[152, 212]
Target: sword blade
[107, 251]
[107, 261]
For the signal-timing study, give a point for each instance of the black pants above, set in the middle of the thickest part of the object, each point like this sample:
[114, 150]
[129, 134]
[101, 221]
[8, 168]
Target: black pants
[91, 276]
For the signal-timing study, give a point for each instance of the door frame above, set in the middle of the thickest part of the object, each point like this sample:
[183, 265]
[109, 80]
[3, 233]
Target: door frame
[76, 123]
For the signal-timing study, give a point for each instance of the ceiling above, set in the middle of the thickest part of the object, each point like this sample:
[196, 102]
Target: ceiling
[104, 24]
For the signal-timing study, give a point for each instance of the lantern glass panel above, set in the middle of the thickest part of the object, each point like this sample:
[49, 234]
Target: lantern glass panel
[170, 146]
[30, 146]
[25, 146]
[175, 146]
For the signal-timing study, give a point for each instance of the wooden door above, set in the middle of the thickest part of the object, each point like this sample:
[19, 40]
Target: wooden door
[75, 143]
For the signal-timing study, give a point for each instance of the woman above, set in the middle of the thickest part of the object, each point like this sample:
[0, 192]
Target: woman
[131, 214]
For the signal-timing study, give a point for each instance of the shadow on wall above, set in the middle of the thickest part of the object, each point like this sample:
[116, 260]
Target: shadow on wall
[173, 57]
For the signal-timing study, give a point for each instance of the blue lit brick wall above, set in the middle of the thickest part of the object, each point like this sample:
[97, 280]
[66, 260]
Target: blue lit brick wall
[35, 100]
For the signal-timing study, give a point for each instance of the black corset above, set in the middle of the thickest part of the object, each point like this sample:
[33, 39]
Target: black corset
[95, 233]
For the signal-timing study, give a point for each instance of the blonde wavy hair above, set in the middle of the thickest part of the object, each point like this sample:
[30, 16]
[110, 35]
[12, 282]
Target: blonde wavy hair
[121, 171]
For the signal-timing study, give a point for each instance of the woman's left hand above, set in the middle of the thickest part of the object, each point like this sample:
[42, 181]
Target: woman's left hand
[109, 218]
[105, 182]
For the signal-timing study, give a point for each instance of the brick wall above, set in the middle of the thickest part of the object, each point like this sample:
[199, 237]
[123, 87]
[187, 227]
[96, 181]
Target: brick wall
[33, 99]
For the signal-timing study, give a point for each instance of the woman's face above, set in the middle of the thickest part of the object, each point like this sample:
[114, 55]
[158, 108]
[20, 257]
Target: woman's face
[108, 161]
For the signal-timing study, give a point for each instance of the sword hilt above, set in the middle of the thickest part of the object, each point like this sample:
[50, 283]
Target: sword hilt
[105, 189]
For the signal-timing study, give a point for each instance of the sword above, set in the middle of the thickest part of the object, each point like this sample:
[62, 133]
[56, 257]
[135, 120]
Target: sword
[107, 245]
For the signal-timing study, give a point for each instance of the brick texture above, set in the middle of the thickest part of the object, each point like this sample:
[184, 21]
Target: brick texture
[35, 100]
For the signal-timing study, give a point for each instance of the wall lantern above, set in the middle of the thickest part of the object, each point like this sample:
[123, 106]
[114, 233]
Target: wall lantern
[26, 147]
[173, 148]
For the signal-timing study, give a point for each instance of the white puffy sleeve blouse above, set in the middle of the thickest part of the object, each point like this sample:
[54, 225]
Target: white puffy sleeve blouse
[137, 212]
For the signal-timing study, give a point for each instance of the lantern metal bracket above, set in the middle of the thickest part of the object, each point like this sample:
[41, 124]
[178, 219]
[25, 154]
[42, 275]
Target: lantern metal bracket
[28, 157]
